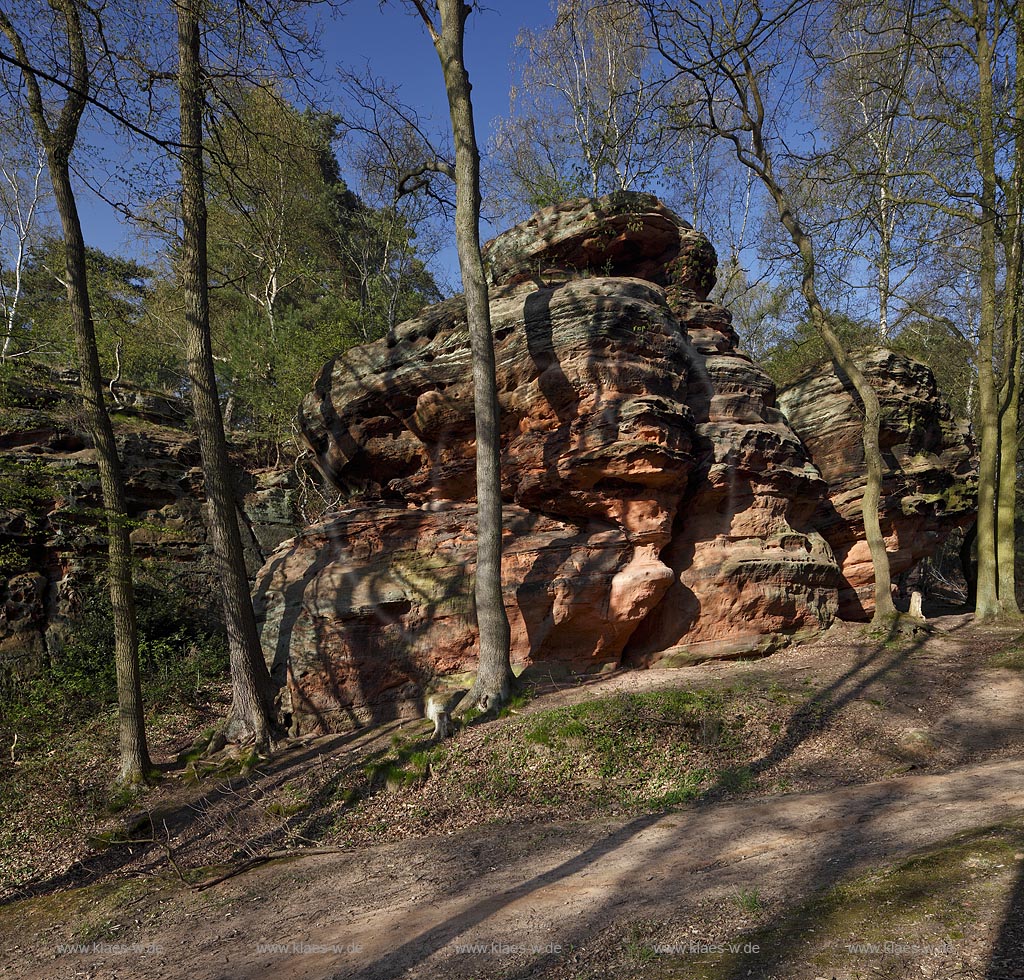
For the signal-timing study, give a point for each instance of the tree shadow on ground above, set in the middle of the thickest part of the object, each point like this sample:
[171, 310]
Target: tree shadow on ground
[881, 661]
[1007, 959]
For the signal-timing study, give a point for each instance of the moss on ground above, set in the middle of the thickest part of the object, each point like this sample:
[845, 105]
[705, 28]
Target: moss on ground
[887, 921]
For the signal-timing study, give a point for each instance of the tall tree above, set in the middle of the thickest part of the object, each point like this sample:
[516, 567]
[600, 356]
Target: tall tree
[1013, 293]
[866, 195]
[494, 676]
[57, 130]
[733, 50]
[973, 100]
[21, 195]
[251, 705]
[300, 266]
[268, 200]
[589, 111]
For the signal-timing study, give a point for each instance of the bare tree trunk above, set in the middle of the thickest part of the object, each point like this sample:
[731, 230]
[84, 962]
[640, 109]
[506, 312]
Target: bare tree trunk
[494, 677]
[1006, 509]
[58, 142]
[987, 603]
[135, 763]
[23, 217]
[1009, 396]
[885, 609]
[250, 715]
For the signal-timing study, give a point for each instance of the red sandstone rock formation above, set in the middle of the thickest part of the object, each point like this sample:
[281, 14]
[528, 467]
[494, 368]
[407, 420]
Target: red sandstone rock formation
[930, 483]
[617, 394]
[751, 571]
[596, 455]
[659, 506]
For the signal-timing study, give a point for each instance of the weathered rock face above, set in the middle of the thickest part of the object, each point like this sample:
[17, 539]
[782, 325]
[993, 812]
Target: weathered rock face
[623, 234]
[364, 610]
[595, 451]
[656, 498]
[930, 480]
[593, 424]
[52, 534]
[659, 506]
[751, 571]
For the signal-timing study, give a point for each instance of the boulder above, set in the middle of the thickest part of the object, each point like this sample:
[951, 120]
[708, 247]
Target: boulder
[595, 454]
[659, 506]
[621, 234]
[930, 481]
[627, 416]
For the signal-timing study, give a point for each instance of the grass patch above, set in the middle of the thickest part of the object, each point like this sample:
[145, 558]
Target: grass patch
[628, 754]
[749, 900]
[1010, 659]
[405, 764]
[518, 700]
[641, 752]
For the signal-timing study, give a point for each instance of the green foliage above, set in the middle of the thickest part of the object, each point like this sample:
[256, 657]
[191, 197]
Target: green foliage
[947, 352]
[178, 657]
[26, 482]
[805, 351]
[28, 395]
[301, 268]
[121, 293]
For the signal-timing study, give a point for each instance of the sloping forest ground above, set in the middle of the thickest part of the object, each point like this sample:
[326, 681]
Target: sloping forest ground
[849, 808]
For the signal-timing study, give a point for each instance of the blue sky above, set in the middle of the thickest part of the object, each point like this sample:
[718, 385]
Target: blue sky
[392, 41]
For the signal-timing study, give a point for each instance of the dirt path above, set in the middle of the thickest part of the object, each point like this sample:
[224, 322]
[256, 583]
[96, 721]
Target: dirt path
[512, 897]
[405, 910]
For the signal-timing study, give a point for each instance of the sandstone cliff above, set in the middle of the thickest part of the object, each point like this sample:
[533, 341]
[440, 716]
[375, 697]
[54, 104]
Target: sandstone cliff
[659, 505]
[52, 528]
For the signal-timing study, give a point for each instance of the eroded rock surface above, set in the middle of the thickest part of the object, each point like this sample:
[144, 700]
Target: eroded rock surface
[365, 610]
[623, 234]
[596, 452]
[930, 481]
[657, 503]
[750, 569]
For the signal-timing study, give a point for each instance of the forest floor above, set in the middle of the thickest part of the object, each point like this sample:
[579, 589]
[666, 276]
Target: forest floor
[848, 808]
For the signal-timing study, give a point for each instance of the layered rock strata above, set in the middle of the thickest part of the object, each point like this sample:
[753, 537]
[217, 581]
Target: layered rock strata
[657, 502]
[930, 480]
[750, 569]
[595, 457]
